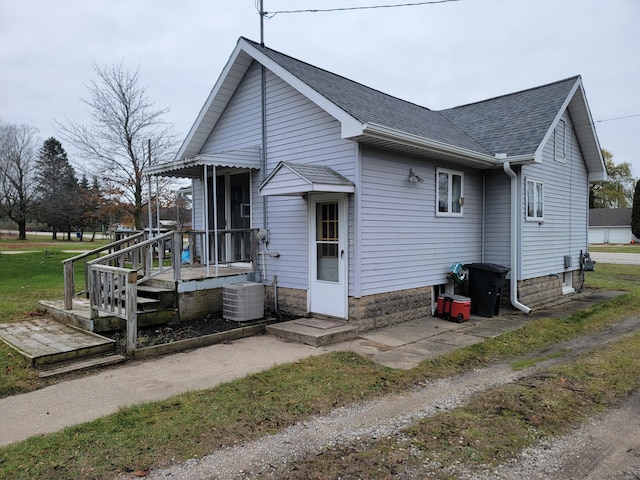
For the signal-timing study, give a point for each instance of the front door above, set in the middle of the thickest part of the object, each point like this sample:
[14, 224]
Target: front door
[328, 255]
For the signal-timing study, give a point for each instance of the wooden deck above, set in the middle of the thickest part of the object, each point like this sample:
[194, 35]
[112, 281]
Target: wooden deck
[44, 340]
[199, 272]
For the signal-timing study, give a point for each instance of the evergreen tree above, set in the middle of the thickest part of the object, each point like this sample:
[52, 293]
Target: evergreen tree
[635, 212]
[57, 186]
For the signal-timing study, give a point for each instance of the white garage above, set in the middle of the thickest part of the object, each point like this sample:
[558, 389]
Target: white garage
[610, 225]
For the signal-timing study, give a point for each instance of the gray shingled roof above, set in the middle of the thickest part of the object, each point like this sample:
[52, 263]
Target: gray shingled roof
[318, 173]
[610, 217]
[372, 106]
[514, 124]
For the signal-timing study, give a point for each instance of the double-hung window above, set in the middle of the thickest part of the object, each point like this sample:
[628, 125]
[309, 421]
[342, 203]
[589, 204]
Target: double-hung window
[449, 193]
[535, 200]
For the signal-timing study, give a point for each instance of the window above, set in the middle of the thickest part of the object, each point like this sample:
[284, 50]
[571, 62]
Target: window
[560, 140]
[449, 193]
[535, 206]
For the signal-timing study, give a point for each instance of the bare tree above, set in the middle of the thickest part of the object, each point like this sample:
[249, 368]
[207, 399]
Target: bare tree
[124, 123]
[18, 152]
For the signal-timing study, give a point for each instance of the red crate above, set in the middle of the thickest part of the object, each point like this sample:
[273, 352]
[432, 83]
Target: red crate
[454, 307]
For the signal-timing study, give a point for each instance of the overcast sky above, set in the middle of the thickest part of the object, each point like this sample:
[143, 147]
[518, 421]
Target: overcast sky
[439, 55]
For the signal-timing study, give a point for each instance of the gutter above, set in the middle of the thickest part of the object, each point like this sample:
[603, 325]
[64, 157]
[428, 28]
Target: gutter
[391, 134]
[515, 273]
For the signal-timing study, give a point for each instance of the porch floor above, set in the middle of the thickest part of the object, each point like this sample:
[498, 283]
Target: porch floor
[199, 272]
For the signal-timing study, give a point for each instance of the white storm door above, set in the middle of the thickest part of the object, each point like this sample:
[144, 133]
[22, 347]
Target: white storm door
[328, 255]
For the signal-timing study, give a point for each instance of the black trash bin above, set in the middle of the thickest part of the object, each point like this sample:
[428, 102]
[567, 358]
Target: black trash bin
[485, 287]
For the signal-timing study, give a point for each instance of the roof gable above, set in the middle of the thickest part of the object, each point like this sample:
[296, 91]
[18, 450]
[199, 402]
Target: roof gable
[517, 124]
[290, 178]
[370, 106]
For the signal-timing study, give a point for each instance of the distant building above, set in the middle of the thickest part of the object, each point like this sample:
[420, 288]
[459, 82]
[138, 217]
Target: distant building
[610, 225]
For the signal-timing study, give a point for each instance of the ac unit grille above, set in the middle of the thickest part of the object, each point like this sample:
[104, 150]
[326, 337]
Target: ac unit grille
[243, 301]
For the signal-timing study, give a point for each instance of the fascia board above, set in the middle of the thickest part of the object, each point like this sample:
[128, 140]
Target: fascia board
[556, 119]
[350, 125]
[577, 89]
[386, 133]
[224, 82]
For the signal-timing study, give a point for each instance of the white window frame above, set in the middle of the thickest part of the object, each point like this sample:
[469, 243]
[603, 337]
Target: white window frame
[449, 200]
[560, 141]
[535, 191]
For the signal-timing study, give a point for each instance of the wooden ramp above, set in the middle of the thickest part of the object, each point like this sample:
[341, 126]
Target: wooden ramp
[45, 341]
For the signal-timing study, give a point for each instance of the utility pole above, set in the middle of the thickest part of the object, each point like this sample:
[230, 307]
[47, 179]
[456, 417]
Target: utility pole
[261, 24]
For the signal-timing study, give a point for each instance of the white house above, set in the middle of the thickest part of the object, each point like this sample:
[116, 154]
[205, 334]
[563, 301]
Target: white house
[363, 201]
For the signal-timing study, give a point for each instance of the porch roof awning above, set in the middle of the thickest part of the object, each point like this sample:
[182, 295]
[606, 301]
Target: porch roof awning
[191, 167]
[300, 178]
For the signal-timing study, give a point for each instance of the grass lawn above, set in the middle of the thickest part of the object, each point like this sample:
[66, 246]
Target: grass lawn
[616, 248]
[195, 423]
[25, 279]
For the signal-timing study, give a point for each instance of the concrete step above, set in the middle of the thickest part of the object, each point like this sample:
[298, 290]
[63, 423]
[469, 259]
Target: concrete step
[313, 331]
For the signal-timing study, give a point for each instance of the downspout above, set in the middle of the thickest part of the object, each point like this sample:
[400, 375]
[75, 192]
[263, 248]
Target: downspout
[515, 273]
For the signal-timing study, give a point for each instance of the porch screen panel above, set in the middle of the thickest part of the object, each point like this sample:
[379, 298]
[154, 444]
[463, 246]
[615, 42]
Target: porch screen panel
[327, 236]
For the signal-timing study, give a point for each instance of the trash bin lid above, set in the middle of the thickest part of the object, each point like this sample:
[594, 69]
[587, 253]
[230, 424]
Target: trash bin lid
[488, 267]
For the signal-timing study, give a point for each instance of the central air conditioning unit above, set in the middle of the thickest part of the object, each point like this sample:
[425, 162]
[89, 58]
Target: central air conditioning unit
[243, 301]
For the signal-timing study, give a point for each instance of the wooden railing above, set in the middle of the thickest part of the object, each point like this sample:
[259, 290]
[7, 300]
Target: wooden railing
[70, 263]
[148, 258]
[114, 290]
[168, 252]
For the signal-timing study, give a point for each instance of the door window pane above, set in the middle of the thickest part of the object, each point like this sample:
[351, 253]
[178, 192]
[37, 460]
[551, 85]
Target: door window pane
[327, 241]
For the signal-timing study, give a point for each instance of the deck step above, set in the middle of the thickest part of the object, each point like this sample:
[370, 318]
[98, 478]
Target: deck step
[43, 340]
[151, 289]
[77, 365]
[311, 331]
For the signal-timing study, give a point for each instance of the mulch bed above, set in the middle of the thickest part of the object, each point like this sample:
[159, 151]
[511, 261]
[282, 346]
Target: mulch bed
[175, 331]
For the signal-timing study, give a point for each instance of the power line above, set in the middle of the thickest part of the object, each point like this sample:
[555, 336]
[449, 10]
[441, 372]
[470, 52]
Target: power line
[369, 7]
[618, 118]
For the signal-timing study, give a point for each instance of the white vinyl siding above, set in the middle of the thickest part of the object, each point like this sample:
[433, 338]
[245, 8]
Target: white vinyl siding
[564, 231]
[239, 125]
[497, 217]
[403, 244]
[297, 131]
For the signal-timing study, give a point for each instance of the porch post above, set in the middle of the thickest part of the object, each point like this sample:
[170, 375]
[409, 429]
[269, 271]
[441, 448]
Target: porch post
[215, 219]
[131, 313]
[206, 218]
[150, 215]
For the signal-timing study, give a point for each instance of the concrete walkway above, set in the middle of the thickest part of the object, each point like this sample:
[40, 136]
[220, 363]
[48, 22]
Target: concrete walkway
[90, 397]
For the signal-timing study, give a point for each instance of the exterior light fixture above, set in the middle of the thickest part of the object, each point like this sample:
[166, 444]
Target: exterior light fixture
[413, 178]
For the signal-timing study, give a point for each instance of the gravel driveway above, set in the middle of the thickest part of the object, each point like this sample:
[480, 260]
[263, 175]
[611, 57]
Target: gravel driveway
[607, 447]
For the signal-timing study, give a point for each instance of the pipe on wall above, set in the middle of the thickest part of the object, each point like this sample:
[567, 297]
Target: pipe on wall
[515, 264]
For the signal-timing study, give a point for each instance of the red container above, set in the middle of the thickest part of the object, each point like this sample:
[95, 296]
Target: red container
[454, 307]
